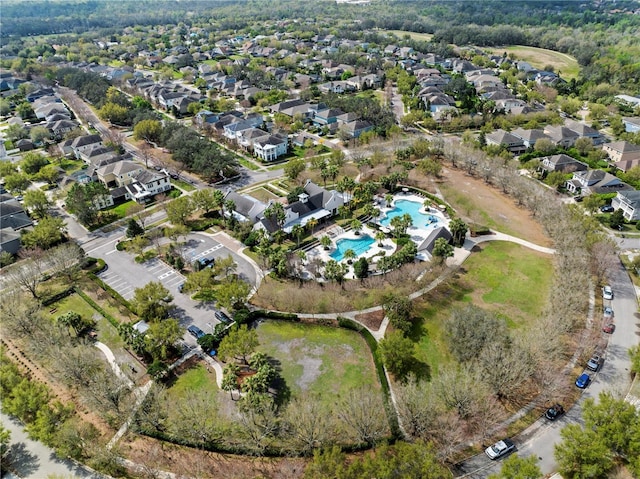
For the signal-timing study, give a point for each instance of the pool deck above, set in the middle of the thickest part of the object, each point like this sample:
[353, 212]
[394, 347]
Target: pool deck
[419, 233]
[388, 246]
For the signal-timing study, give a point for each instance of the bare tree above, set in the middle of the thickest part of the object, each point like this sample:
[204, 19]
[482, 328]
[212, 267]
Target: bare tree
[460, 390]
[20, 315]
[364, 413]
[65, 259]
[307, 425]
[197, 420]
[139, 213]
[27, 274]
[604, 259]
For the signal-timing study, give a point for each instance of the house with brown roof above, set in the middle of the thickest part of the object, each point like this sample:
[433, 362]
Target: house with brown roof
[621, 150]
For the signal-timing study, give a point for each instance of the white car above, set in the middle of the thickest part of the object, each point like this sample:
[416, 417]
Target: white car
[500, 448]
[608, 313]
[607, 292]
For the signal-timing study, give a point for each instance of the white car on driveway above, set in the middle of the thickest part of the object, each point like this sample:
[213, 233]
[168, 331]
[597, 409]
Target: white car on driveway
[607, 293]
[500, 449]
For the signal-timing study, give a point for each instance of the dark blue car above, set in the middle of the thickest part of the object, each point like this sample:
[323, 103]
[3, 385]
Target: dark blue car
[583, 380]
[195, 331]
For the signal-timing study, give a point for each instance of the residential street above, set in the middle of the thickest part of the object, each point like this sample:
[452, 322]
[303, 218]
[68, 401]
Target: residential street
[614, 376]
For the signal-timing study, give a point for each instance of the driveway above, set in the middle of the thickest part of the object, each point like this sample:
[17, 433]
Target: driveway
[539, 439]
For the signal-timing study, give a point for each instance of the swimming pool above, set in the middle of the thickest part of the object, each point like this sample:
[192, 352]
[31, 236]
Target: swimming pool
[359, 245]
[401, 207]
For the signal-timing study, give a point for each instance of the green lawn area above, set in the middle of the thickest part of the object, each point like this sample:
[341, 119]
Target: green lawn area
[506, 278]
[424, 37]
[121, 210]
[318, 360]
[193, 379]
[73, 302]
[262, 194]
[564, 64]
[71, 165]
[183, 185]
[511, 280]
[248, 164]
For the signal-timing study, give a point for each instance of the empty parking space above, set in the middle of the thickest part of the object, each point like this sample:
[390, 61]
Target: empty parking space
[157, 271]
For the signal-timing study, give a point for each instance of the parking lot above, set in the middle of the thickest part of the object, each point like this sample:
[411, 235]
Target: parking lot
[157, 269]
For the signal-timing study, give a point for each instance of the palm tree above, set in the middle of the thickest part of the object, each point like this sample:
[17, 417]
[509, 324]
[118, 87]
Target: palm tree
[388, 199]
[325, 241]
[349, 255]
[380, 236]
[356, 226]
[312, 223]
[297, 231]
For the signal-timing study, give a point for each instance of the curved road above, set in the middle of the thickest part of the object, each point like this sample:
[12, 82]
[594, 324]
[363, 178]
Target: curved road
[614, 376]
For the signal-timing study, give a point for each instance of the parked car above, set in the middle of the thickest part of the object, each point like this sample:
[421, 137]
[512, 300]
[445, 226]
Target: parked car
[180, 287]
[195, 331]
[206, 262]
[608, 328]
[608, 313]
[500, 449]
[222, 317]
[607, 209]
[594, 362]
[607, 292]
[583, 380]
[554, 412]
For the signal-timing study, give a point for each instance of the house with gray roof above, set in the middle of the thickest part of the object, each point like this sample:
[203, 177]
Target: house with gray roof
[561, 135]
[503, 138]
[563, 163]
[246, 208]
[595, 181]
[629, 203]
[529, 137]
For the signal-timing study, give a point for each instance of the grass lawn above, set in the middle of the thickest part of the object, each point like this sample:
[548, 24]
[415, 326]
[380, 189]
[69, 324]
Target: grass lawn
[121, 210]
[248, 164]
[424, 37]
[183, 185]
[195, 378]
[511, 280]
[566, 65]
[70, 165]
[73, 302]
[506, 278]
[318, 360]
[262, 194]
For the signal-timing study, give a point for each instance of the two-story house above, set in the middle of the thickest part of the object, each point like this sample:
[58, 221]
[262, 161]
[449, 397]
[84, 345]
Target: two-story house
[563, 163]
[629, 203]
[503, 138]
[595, 181]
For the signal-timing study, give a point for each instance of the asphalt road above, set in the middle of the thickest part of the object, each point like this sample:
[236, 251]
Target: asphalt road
[613, 376]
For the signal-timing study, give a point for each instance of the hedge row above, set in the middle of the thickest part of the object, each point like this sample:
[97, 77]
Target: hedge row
[114, 322]
[377, 360]
[111, 291]
[57, 297]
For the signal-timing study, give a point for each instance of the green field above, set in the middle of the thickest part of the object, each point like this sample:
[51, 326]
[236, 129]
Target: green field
[563, 64]
[506, 278]
[424, 37]
[196, 378]
[318, 360]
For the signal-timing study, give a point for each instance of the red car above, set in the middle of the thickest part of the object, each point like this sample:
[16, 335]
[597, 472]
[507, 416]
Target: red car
[609, 328]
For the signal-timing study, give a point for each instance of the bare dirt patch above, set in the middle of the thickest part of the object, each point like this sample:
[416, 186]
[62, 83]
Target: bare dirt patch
[477, 202]
[371, 320]
[153, 454]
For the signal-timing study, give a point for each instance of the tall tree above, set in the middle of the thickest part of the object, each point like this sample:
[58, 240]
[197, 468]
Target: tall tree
[240, 343]
[398, 354]
[152, 301]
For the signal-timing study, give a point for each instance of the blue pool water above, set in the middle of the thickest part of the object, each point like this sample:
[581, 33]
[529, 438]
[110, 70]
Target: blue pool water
[420, 220]
[360, 245]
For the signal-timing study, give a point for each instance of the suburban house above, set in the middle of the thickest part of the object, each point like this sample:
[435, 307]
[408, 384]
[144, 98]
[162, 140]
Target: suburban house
[80, 144]
[12, 219]
[585, 131]
[621, 150]
[529, 137]
[629, 203]
[503, 138]
[128, 180]
[561, 135]
[270, 147]
[563, 163]
[595, 181]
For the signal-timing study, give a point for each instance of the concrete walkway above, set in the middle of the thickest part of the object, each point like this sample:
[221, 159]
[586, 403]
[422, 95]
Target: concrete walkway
[112, 361]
